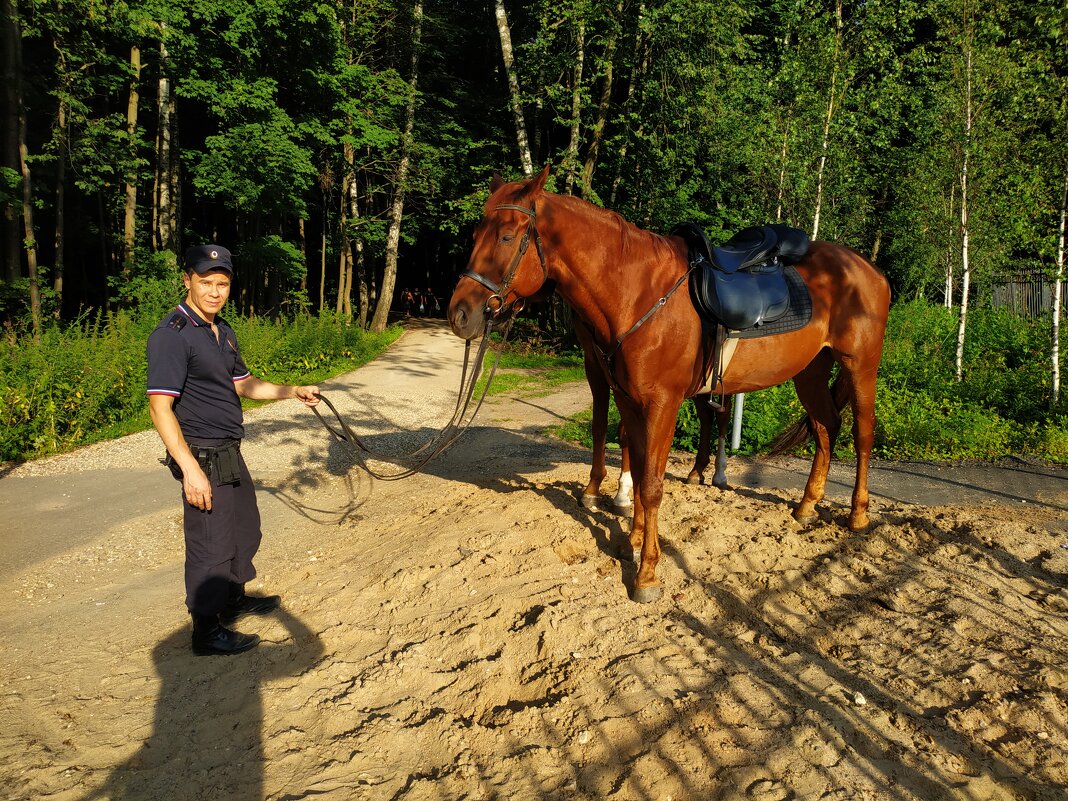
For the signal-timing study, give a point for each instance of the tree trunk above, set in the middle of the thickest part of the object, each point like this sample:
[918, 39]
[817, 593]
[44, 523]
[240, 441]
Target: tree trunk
[362, 281]
[1057, 284]
[827, 119]
[966, 273]
[29, 238]
[572, 157]
[344, 272]
[130, 218]
[164, 219]
[525, 161]
[396, 211]
[11, 257]
[61, 204]
[301, 229]
[947, 296]
[322, 264]
[603, 106]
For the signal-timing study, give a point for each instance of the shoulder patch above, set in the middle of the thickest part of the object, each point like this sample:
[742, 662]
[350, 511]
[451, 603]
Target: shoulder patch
[177, 321]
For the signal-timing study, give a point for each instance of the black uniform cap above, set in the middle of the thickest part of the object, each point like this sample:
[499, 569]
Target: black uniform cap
[203, 258]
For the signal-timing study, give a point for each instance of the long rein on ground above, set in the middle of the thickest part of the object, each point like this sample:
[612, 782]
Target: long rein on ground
[496, 306]
[441, 441]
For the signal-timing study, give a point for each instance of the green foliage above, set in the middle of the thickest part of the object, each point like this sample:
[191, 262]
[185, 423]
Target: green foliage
[153, 288]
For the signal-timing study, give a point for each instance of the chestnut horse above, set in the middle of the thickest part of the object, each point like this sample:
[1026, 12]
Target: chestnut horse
[654, 350]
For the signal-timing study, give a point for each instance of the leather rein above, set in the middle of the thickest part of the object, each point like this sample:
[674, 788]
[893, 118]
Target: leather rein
[496, 306]
[414, 461]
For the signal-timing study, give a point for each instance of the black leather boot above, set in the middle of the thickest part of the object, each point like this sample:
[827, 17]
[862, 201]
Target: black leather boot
[239, 604]
[211, 638]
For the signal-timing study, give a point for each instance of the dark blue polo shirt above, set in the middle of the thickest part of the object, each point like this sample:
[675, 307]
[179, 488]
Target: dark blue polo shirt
[186, 362]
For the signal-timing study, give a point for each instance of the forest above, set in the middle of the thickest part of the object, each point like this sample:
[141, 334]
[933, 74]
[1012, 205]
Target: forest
[343, 149]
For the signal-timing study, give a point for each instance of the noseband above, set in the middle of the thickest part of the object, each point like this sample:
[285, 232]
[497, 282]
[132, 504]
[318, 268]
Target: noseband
[495, 303]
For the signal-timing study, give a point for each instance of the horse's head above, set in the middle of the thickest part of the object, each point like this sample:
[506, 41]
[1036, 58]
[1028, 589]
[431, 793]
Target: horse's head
[503, 270]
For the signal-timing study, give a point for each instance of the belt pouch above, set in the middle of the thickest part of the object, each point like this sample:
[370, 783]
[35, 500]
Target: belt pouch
[226, 463]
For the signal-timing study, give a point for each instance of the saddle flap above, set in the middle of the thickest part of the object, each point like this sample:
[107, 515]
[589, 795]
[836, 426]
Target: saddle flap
[740, 300]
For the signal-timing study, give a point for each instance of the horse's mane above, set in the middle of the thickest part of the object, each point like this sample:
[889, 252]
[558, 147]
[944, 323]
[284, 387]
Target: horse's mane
[627, 233]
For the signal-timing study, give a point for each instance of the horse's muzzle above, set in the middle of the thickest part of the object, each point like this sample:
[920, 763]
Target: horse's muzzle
[467, 322]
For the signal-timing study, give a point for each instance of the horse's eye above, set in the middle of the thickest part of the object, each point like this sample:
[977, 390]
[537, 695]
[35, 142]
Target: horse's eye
[506, 238]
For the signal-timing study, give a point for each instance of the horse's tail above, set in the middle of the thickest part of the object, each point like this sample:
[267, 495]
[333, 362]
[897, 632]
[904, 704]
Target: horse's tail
[801, 431]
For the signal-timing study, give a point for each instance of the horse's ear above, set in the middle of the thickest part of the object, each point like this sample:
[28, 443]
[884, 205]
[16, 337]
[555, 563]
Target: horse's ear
[538, 183]
[496, 182]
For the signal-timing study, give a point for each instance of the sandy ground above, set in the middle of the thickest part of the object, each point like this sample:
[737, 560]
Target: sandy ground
[467, 634]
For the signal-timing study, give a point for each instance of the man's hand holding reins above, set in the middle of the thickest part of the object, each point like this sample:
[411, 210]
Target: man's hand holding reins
[309, 395]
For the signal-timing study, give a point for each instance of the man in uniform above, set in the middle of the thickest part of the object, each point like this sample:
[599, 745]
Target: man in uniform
[196, 379]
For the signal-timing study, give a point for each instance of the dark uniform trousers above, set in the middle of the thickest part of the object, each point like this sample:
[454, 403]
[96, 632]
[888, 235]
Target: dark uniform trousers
[220, 544]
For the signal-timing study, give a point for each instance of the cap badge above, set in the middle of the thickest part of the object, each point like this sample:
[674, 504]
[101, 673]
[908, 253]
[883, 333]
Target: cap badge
[215, 254]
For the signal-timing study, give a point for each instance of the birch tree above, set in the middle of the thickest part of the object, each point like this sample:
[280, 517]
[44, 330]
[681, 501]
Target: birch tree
[968, 52]
[165, 187]
[29, 235]
[832, 102]
[505, 34]
[1057, 284]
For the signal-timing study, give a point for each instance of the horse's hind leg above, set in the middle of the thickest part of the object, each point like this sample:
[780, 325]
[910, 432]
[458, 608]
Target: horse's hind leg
[863, 405]
[814, 392]
[704, 445]
[723, 421]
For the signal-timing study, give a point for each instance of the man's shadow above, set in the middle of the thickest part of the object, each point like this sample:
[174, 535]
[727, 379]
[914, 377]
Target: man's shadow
[207, 736]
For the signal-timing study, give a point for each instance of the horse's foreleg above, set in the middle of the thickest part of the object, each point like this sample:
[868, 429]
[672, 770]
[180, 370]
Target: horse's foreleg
[625, 491]
[650, 462]
[599, 429]
[815, 395]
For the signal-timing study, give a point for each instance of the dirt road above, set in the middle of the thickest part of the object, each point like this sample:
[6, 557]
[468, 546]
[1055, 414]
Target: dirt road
[467, 633]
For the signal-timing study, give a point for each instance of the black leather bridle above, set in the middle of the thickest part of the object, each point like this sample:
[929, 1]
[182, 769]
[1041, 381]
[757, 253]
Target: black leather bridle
[496, 303]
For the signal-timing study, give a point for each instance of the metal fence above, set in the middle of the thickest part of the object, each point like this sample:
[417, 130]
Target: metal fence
[1027, 294]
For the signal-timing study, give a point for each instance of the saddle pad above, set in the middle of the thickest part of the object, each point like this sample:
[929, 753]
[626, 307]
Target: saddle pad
[798, 315]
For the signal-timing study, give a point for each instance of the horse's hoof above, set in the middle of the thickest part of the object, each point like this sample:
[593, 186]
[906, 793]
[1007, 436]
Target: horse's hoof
[863, 525]
[695, 479]
[589, 501]
[721, 485]
[806, 520]
[623, 508]
[646, 595]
